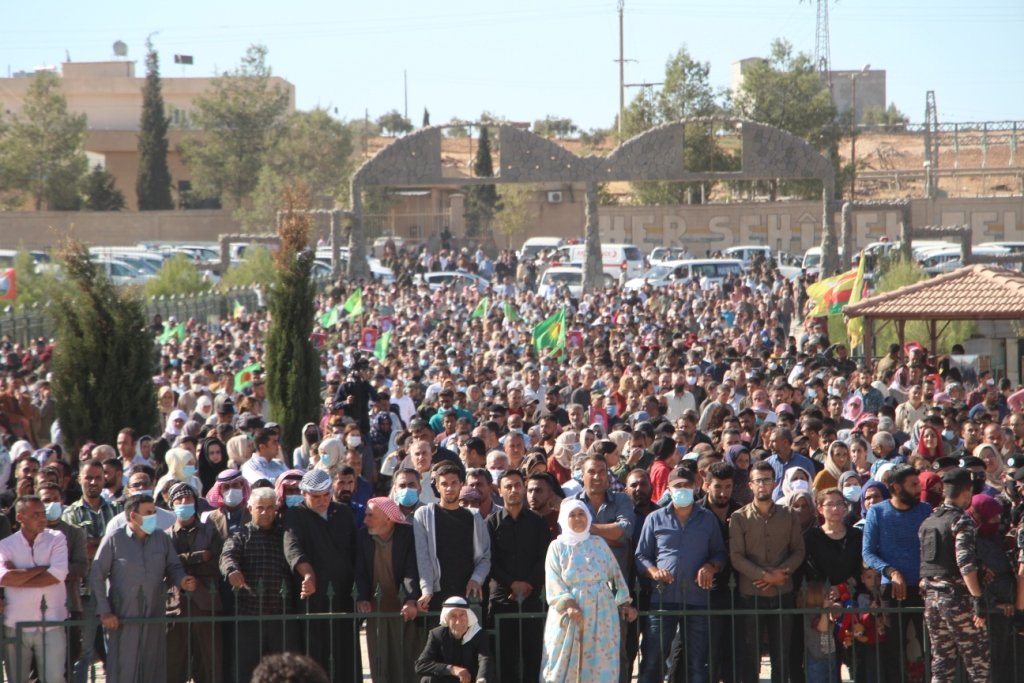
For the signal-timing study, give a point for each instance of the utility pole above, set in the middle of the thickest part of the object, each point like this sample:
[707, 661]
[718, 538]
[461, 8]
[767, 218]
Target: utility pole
[405, 88]
[622, 70]
[853, 129]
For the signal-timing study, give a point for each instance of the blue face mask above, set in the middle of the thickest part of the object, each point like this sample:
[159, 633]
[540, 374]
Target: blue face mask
[407, 497]
[185, 511]
[682, 498]
[852, 493]
[53, 511]
[144, 492]
[189, 471]
[578, 475]
[293, 500]
[148, 524]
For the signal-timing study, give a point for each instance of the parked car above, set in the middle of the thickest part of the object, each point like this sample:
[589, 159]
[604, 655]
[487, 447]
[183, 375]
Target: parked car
[452, 278]
[746, 253]
[663, 254]
[709, 271]
[947, 260]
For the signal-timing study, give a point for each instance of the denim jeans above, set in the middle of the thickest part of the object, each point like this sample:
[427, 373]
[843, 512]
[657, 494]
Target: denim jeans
[48, 645]
[658, 634]
[824, 670]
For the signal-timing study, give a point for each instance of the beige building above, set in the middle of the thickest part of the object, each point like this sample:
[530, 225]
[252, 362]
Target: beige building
[110, 96]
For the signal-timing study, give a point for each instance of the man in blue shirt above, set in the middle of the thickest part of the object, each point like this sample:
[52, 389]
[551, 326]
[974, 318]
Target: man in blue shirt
[681, 549]
[783, 457]
[892, 548]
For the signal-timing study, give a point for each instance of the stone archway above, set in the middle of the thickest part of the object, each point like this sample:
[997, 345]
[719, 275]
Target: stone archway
[767, 153]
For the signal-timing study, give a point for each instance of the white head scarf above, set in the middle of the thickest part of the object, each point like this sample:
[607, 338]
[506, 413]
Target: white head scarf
[454, 603]
[568, 536]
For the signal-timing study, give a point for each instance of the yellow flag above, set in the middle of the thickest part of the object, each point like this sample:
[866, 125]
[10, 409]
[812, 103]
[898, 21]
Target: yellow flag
[855, 328]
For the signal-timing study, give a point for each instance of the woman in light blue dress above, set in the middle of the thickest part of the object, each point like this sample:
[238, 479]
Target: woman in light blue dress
[586, 596]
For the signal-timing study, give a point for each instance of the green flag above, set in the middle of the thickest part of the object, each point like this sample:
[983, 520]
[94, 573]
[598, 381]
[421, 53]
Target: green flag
[550, 333]
[238, 309]
[176, 331]
[329, 318]
[244, 377]
[354, 303]
[481, 308]
[380, 349]
[511, 314]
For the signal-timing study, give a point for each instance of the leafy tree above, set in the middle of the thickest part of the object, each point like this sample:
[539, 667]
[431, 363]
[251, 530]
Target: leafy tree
[456, 129]
[395, 123]
[293, 367]
[517, 211]
[482, 201]
[178, 275]
[595, 137]
[33, 283]
[786, 91]
[554, 127]
[241, 117]
[41, 149]
[314, 150]
[890, 120]
[101, 193]
[104, 379]
[686, 94]
[153, 182]
[426, 117]
[256, 268]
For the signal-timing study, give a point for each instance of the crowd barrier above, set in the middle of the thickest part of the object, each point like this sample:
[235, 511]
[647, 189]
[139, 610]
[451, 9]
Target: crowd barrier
[299, 630]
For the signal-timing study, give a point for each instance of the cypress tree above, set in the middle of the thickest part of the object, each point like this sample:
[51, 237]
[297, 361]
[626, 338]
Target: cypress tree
[482, 201]
[103, 366]
[292, 367]
[153, 184]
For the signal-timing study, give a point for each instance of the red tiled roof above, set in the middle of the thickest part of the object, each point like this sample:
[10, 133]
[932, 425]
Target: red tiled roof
[969, 293]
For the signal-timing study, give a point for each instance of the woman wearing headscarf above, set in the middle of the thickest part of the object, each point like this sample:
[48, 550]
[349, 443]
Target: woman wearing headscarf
[303, 455]
[213, 459]
[457, 649]
[795, 479]
[1000, 591]
[382, 435]
[739, 457]
[330, 455]
[181, 467]
[837, 461]
[567, 444]
[994, 467]
[929, 443]
[586, 595]
[871, 493]
[931, 488]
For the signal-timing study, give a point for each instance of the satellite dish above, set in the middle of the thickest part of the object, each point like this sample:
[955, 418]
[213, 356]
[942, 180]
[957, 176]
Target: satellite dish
[120, 49]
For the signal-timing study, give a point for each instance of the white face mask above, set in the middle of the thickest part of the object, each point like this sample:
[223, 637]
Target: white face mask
[354, 441]
[800, 485]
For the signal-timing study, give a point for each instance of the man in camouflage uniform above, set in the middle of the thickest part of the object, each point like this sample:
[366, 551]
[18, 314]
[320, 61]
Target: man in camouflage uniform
[954, 610]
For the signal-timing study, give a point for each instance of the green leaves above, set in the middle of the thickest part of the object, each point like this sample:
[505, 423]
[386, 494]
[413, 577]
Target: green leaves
[41, 148]
[242, 118]
[153, 182]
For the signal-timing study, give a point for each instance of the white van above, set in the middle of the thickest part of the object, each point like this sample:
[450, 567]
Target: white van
[615, 258]
[535, 245]
[665, 274]
[947, 260]
[746, 253]
[812, 262]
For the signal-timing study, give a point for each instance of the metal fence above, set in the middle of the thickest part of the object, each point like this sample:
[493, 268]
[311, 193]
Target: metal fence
[338, 640]
[25, 323]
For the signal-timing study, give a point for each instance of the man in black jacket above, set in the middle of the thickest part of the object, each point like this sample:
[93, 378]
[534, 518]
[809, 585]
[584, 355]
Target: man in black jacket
[456, 649]
[387, 581]
[319, 544]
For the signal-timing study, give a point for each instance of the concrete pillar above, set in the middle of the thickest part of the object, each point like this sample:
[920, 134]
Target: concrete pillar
[593, 266]
[358, 268]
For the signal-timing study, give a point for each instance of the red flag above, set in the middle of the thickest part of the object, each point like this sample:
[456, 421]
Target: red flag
[8, 284]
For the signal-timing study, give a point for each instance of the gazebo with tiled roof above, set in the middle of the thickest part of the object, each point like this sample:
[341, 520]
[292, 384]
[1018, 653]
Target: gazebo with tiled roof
[970, 293]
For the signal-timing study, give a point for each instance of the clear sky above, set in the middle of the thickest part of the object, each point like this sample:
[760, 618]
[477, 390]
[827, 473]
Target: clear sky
[524, 59]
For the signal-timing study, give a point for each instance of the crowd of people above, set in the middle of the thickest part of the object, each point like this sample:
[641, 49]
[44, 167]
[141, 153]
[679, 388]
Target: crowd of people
[656, 497]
